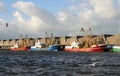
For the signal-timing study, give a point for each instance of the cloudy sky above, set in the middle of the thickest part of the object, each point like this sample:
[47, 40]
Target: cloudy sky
[60, 17]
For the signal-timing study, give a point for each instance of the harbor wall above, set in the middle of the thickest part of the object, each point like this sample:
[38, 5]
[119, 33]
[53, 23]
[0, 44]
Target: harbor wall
[65, 40]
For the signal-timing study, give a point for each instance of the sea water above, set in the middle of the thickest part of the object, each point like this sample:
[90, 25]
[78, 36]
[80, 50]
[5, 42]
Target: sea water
[46, 63]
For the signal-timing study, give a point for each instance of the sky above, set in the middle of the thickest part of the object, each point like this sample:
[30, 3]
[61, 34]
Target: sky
[61, 17]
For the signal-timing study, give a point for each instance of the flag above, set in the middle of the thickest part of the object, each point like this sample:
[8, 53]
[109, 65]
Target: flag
[82, 29]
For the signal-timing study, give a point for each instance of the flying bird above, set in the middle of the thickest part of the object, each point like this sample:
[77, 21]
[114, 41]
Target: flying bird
[6, 24]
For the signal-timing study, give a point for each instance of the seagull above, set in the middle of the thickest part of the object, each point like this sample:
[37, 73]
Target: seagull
[94, 64]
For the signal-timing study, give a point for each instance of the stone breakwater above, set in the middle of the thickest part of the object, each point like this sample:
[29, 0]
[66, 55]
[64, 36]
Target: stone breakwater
[46, 63]
[65, 40]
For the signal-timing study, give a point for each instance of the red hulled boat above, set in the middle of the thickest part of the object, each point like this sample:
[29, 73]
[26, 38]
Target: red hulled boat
[91, 49]
[74, 48]
[17, 48]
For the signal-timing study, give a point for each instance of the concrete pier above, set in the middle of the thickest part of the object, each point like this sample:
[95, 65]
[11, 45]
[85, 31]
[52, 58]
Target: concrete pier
[65, 40]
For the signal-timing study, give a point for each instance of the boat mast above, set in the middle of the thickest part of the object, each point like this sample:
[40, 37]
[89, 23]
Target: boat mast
[52, 39]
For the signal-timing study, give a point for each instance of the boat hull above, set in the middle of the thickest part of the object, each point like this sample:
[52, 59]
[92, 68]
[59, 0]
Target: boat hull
[19, 49]
[116, 49]
[56, 48]
[50, 48]
[39, 49]
[97, 49]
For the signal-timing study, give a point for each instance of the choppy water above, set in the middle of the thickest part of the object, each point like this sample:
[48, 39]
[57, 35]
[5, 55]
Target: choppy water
[59, 64]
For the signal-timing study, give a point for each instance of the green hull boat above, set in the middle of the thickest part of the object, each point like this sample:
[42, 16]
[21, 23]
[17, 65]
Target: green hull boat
[116, 49]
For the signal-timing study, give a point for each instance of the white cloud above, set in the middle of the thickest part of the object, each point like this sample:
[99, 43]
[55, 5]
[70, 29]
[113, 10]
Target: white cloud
[39, 21]
[72, 0]
[102, 15]
[96, 14]
[104, 8]
[18, 16]
[62, 16]
[2, 8]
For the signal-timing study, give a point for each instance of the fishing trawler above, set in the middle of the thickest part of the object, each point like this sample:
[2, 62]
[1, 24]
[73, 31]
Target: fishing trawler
[43, 47]
[17, 48]
[21, 46]
[39, 47]
[116, 48]
[90, 44]
[75, 48]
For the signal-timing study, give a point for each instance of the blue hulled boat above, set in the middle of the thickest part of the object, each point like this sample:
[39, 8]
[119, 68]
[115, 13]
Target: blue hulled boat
[56, 47]
[42, 47]
[39, 47]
